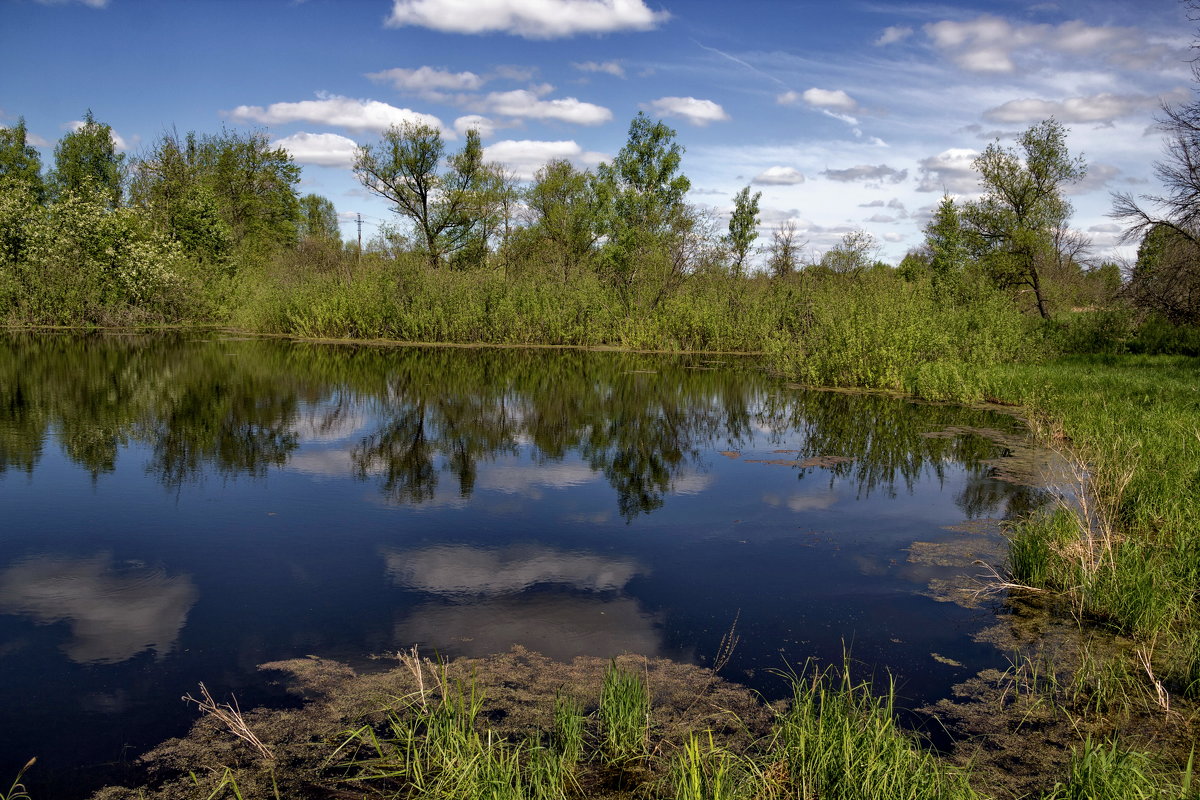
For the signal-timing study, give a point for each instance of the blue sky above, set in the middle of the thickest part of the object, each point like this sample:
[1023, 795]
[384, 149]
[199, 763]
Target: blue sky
[844, 114]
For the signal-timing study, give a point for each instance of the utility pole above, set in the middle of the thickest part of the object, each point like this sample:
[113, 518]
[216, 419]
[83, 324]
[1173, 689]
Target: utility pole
[358, 253]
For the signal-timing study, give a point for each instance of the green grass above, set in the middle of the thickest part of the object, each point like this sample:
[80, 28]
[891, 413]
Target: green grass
[624, 716]
[841, 742]
[1107, 771]
[1129, 557]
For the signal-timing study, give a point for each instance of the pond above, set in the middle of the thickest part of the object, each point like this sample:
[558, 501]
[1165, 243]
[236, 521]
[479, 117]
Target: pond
[181, 508]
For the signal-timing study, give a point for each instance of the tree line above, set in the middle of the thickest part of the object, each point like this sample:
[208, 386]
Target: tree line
[175, 232]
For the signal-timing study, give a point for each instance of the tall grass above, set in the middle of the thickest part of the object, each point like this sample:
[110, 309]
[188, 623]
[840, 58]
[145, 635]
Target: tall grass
[624, 716]
[841, 742]
[1126, 551]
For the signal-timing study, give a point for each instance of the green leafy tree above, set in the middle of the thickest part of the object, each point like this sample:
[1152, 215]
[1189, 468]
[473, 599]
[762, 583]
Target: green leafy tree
[442, 206]
[168, 184]
[1022, 207]
[318, 219]
[642, 193]
[254, 187]
[1166, 276]
[20, 163]
[948, 245]
[86, 160]
[743, 227]
[562, 211]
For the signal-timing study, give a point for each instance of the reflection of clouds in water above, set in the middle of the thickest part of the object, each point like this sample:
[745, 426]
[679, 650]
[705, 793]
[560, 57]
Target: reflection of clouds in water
[114, 614]
[323, 423]
[327, 463]
[462, 570]
[527, 479]
[802, 502]
[558, 626]
[696, 483]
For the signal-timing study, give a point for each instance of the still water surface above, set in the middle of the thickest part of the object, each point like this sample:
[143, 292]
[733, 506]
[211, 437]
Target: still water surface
[176, 509]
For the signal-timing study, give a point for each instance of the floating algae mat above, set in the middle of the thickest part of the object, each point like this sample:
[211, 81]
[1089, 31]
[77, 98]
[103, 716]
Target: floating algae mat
[179, 509]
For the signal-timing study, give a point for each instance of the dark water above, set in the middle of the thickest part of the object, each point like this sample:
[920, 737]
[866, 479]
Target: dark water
[182, 509]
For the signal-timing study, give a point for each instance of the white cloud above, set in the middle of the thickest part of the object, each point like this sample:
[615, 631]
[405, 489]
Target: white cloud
[892, 236]
[893, 34]
[779, 176]
[532, 19]
[485, 126]
[1103, 107]
[608, 67]
[528, 104]
[426, 79]
[989, 43]
[867, 172]
[697, 112]
[834, 100]
[321, 149]
[525, 157]
[951, 170]
[787, 98]
[1107, 227]
[344, 112]
[880, 218]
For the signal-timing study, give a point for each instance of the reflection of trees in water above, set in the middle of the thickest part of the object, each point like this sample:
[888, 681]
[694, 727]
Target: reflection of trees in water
[644, 422]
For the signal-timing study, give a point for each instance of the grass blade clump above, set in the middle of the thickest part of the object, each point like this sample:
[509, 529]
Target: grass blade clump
[17, 790]
[1111, 772]
[624, 716]
[841, 742]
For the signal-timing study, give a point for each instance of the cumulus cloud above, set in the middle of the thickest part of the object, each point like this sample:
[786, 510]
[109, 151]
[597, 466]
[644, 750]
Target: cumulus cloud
[1103, 107]
[1107, 227]
[866, 172]
[321, 149]
[524, 157]
[893, 34]
[779, 176]
[697, 112]
[834, 100]
[485, 126]
[528, 104]
[951, 170]
[1098, 176]
[880, 218]
[343, 112]
[613, 68]
[532, 19]
[989, 43]
[428, 79]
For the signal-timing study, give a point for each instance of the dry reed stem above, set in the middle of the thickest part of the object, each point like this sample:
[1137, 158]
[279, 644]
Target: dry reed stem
[231, 716]
[1145, 654]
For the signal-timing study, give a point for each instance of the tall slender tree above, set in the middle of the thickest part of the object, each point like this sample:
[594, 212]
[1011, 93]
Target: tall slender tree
[743, 227]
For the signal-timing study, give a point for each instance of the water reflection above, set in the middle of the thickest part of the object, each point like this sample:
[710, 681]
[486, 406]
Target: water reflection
[114, 612]
[407, 419]
[463, 571]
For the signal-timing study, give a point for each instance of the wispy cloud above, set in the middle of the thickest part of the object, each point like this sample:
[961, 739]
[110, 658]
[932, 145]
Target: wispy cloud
[613, 68]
